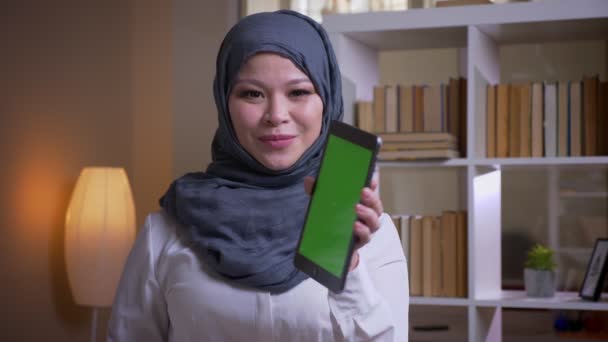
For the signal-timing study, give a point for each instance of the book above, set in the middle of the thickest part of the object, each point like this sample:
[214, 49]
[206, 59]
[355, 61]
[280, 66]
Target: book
[461, 254]
[418, 108]
[379, 109]
[491, 121]
[436, 258]
[453, 111]
[418, 154]
[537, 138]
[365, 116]
[448, 254]
[462, 137]
[444, 103]
[576, 142]
[422, 145]
[406, 108]
[417, 137]
[550, 119]
[590, 124]
[404, 233]
[502, 121]
[415, 256]
[525, 121]
[427, 255]
[514, 120]
[392, 108]
[396, 222]
[432, 108]
[562, 118]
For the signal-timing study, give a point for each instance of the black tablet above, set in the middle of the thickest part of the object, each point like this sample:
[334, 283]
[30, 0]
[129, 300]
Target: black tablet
[326, 242]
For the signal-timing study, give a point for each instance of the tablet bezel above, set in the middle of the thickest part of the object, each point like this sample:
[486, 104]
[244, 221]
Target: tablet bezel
[370, 142]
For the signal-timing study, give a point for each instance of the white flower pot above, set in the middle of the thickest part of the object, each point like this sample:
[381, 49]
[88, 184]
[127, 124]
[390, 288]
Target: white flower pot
[539, 283]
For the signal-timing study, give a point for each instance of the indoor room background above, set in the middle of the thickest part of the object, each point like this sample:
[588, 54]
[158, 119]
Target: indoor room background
[129, 83]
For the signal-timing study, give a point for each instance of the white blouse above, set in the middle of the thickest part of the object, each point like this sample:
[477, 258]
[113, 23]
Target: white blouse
[167, 294]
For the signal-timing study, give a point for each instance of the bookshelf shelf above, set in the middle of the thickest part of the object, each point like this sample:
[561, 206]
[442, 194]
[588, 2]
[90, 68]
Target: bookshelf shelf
[474, 184]
[447, 27]
[425, 163]
[561, 301]
[439, 301]
[507, 162]
[554, 161]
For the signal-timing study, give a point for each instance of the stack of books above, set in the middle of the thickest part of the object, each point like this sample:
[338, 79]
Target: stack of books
[547, 119]
[436, 252]
[418, 121]
[405, 146]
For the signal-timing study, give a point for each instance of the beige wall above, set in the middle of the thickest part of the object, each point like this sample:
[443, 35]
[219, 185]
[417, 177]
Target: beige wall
[151, 101]
[88, 84]
[65, 101]
[431, 66]
[198, 33]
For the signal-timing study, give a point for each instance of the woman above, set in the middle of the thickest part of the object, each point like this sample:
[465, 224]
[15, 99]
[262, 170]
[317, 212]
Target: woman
[216, 264]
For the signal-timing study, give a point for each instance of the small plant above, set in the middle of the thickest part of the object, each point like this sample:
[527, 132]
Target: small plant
[540, 258]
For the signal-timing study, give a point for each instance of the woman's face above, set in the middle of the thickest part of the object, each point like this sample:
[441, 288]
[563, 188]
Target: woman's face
[275, 110]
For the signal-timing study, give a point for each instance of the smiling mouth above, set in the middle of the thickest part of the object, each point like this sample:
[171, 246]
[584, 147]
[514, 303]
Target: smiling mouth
[277, 141]
[276, 137]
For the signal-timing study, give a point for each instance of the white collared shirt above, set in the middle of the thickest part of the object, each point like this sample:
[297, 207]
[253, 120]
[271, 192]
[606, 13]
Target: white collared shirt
[167, 294]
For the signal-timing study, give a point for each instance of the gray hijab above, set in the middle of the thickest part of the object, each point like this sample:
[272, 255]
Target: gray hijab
[242, 219]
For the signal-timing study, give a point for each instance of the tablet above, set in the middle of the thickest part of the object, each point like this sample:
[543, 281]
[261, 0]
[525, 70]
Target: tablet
[326, 242]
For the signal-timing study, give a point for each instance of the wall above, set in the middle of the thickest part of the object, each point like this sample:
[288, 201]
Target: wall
[65, 103]
[198, 33]
[151, 102]
[90, 84]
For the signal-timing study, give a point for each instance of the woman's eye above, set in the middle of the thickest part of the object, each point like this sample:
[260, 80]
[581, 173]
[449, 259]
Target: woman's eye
[300, 92]
[251, 94]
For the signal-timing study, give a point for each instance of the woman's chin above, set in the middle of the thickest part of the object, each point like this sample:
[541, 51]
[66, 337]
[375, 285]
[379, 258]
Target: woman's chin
[278, 164]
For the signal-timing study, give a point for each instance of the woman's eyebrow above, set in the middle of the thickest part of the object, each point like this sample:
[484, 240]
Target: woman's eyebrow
[249, 80]
[299, 80]
[261, 84]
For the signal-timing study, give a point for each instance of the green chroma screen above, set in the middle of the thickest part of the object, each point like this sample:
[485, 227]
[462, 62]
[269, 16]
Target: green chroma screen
[332, 213]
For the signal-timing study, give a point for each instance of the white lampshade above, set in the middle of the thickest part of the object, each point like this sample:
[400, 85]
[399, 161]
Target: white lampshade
[99, 232]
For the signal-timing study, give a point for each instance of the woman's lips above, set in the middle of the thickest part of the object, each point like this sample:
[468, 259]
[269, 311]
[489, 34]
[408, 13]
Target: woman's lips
[277, 140]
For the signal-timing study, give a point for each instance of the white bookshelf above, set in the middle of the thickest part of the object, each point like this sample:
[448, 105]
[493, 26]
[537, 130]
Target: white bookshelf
[479, 32]
[561, 301]
[549, 161]
[440, 163]
[440, 301]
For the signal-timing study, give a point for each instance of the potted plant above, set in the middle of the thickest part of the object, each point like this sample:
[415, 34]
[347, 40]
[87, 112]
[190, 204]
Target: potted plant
[539, 273]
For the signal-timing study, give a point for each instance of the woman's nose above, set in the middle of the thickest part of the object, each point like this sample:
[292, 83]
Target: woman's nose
[277, 111]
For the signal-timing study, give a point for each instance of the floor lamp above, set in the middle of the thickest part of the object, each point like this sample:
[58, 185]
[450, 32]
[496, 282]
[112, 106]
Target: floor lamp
[99, 232]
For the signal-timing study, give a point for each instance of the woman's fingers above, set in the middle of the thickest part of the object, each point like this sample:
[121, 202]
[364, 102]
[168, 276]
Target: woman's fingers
[368, 214]
[371, 199]
[375, 181]
[368, 217]
[362, 233]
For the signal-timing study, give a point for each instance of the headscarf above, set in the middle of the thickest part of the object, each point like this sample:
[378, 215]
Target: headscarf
[242, 219]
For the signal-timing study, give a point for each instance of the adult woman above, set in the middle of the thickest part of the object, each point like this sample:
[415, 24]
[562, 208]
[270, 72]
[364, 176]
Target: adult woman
[217, 263]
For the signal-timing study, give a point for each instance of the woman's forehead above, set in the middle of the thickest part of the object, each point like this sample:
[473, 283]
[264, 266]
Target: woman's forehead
[270, 62]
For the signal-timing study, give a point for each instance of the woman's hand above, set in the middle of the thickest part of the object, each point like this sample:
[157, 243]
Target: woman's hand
[368, 211]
